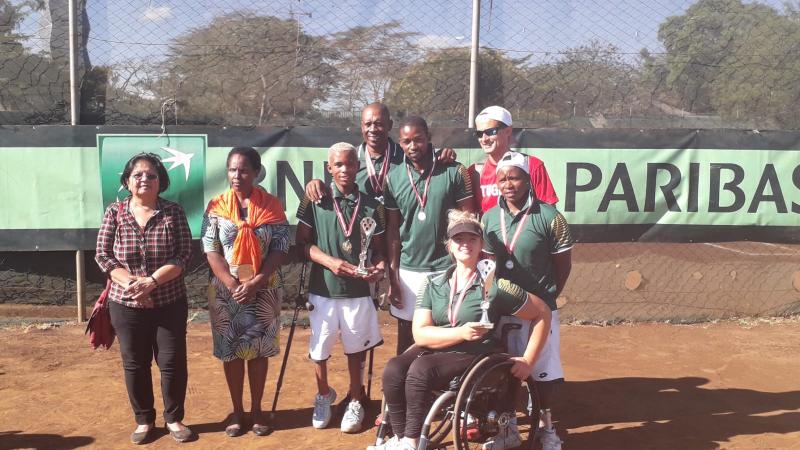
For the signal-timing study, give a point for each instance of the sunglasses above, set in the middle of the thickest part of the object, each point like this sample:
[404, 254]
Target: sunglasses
[144, 176]
[489, 131]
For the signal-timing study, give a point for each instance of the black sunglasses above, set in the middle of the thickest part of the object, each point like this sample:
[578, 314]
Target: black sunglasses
[489, 131]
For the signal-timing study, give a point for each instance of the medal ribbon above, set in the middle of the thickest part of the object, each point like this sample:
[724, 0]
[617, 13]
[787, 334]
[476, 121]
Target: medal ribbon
[451, 314]
[424, 198]
[347, 229]
[510, 247]
[377, 181]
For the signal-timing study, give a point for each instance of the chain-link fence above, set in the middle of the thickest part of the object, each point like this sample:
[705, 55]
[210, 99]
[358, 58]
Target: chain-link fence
[621, 63]
[578, 64]
[609, 283]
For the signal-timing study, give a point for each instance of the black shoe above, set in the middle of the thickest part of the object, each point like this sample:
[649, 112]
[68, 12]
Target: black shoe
[141, 437]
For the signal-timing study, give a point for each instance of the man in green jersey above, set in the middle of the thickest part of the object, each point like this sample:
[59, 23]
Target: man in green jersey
[333, 234]
[378, 152]
[418, 194]
[532, 244]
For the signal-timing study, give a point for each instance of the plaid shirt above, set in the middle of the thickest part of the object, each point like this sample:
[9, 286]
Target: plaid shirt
[166, 239]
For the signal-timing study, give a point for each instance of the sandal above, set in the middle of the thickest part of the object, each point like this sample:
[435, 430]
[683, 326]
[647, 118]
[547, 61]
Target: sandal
[234, 428]
[260, 426]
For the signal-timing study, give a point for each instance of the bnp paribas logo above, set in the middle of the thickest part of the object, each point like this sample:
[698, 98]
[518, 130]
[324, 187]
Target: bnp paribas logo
[182, 154]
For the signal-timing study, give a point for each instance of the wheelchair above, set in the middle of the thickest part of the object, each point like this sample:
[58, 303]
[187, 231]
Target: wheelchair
[480, 404]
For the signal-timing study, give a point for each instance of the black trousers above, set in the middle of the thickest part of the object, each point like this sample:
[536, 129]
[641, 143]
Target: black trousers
[405, 336]
[408, 382]
[145, 334]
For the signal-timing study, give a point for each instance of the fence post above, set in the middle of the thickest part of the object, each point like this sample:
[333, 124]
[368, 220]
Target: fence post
[74, 112]
[80, 285]
[473, 62]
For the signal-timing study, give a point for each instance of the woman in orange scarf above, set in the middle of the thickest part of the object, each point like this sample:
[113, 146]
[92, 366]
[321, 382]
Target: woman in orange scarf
[246, 239]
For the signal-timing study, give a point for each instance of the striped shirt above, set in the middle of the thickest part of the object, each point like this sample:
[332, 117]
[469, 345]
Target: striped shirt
[166, 239]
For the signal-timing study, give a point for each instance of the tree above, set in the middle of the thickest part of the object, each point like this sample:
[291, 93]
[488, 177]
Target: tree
[701, 42]
[245, 65]
[438, 85]
[370, 59]
[587, 80]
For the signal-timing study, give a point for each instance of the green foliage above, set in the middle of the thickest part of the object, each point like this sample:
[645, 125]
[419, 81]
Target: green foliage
[247, 65]
[735, 59]
[438, 85]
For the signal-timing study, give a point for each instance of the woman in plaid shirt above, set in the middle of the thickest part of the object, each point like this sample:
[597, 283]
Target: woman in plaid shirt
[144, 245]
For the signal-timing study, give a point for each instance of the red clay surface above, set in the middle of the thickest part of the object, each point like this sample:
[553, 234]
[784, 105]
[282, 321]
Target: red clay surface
[652, 386]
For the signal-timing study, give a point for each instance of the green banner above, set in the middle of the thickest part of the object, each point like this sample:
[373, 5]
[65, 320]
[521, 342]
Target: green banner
[54, 195]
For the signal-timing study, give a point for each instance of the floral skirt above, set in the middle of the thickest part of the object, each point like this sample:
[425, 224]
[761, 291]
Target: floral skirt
[244, 331]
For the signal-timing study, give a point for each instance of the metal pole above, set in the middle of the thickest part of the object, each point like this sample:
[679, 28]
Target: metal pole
[473, 62]
[74, 111]
[73, 63]
[80, 284]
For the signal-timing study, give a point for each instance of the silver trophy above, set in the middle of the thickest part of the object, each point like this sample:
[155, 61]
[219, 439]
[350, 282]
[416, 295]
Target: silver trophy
[486, 275]
[367, 227]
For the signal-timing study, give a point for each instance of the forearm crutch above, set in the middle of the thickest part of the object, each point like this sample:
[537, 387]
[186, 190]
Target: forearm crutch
[298, 304]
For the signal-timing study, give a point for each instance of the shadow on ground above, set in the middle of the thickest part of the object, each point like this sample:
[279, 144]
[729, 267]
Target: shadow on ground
[669, 413]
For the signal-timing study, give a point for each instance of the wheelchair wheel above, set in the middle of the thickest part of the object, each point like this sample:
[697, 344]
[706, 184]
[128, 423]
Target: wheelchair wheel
[493, 404]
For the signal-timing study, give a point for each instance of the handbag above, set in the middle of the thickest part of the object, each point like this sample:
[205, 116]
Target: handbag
[99, 329]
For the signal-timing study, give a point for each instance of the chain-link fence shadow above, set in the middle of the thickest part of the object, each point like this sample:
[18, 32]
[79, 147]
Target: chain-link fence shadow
[610, 283]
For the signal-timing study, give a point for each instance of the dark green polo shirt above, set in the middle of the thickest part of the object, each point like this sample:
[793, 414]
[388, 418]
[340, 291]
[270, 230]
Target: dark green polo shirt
[546, 233]
[422, 241]
[329, 237]
[395, 157]
[506, 299]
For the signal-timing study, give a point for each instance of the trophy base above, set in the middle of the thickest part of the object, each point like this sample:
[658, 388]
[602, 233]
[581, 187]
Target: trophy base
[488, 325]
[361, 271]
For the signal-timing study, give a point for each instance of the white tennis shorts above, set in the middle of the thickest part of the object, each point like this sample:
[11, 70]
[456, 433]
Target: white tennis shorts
[355, 319]
[410, 285]
[548, 367]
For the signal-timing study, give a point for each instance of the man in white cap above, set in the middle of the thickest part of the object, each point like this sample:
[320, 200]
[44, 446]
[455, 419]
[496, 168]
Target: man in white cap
[493, 127]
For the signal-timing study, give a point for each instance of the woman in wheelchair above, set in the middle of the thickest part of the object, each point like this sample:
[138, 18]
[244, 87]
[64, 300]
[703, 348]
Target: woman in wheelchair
[449, 336]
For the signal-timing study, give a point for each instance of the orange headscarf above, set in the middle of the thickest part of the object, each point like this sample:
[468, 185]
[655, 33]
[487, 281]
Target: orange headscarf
[263, 209]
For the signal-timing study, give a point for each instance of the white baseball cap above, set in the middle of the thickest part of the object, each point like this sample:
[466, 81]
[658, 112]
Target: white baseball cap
[513, 159]
[497, 113]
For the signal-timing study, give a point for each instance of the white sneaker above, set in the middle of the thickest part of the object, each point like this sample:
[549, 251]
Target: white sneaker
[392, 444]
[505, 438]
[550, 440]
[353, 416]
[322, 409]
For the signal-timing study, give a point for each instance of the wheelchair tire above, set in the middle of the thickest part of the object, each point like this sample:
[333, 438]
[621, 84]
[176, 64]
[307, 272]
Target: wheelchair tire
[469, 403]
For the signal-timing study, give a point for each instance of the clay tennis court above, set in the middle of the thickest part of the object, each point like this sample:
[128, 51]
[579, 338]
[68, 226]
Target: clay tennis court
[725, 385]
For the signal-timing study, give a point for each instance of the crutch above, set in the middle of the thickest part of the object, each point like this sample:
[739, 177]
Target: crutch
[372, 350]
[298, 304]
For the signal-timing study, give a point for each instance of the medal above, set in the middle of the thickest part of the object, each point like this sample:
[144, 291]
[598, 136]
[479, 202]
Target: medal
[374, 179]
[510, 246]
[346, 245]
[422, 199]
[452, 313]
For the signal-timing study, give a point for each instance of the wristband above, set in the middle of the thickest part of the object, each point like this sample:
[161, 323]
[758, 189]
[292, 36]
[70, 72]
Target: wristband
[154, 280]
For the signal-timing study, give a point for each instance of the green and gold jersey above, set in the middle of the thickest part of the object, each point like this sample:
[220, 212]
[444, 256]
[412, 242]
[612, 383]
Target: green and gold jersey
[329, 237]
[422, 237]
[529, 265]
[506, 299]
